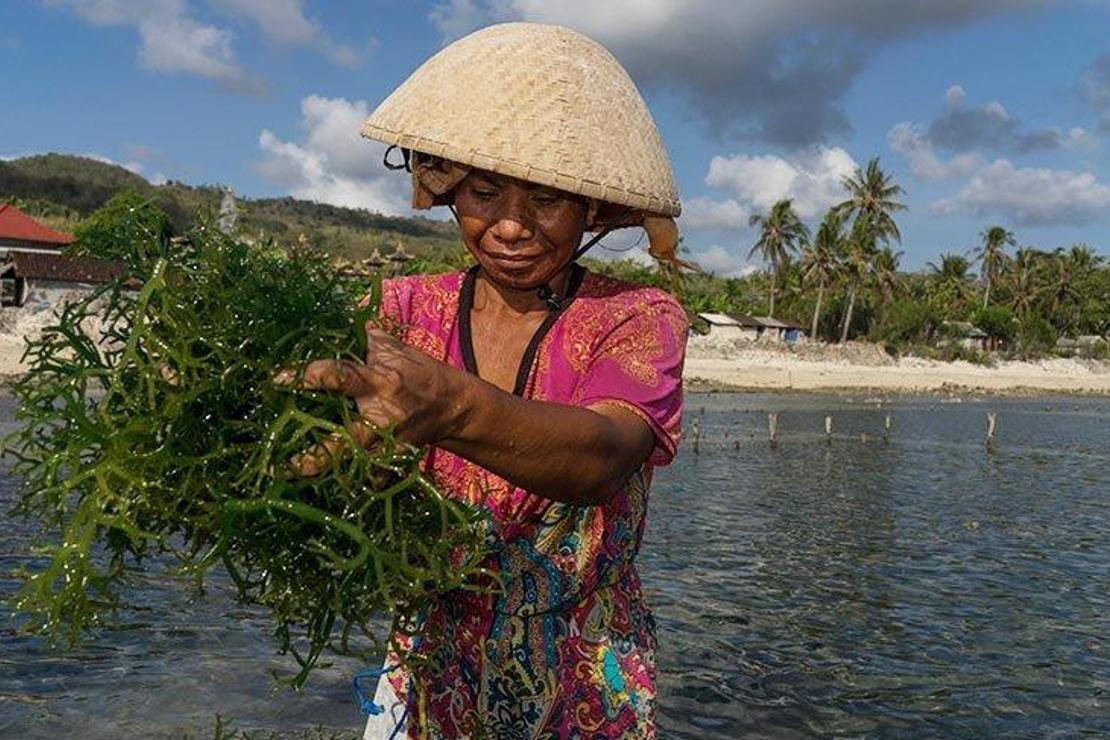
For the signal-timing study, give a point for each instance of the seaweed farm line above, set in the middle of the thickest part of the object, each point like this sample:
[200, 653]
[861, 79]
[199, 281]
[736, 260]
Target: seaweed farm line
[875, 572]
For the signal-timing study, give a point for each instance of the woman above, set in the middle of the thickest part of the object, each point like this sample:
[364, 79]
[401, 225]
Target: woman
[545, 392]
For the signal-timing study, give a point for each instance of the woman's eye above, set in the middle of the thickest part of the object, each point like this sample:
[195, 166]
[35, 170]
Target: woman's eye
[545, 200]
[485, 194]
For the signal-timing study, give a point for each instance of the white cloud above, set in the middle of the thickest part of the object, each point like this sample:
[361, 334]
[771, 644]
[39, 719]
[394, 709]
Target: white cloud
[180, 44]
[775, 70]
[334, 164]
[1032, 195]
[1078, 137]
[284, 21]
[944, 207]
[454, 18]
[995, 109]
[908, 140]
[170, 40]
[722, 215]
[811, 177]
[955, 95]
[722, 262]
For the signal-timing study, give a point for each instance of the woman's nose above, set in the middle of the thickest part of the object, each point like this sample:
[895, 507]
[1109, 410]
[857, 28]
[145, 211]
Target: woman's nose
[513, 223]
[510, 230]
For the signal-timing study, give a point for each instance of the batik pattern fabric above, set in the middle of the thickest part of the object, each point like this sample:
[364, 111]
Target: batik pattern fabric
[566, 648]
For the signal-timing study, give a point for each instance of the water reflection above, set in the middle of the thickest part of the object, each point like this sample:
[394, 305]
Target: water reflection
[919, 587]
[914, 588]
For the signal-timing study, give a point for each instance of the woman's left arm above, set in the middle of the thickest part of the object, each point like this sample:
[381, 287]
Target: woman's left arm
[565, 453]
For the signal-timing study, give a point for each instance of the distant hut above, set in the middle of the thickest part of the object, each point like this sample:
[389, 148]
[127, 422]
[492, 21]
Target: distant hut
[43, 279]
[721, 326]
[375, 261]
[792, 331]
[770, 329]
[399, 257]
[21, 238]
[20, 231]
[1085, 344]
[967, 335]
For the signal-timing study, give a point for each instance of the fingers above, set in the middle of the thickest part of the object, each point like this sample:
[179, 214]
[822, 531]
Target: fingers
[339, 376]
[319, 457]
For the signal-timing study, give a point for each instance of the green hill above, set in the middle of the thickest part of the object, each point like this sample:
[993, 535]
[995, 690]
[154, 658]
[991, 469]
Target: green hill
[61, 189]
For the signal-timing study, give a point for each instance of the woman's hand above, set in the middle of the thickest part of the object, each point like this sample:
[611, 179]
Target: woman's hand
[565, 453]
[397, 386]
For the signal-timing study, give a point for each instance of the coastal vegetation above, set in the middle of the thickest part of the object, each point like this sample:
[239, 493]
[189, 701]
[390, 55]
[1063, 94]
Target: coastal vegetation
[843, 278]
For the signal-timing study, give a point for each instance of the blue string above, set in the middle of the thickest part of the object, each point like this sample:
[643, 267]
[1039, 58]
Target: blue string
[365, 703]
[400, 725]
[368, 706]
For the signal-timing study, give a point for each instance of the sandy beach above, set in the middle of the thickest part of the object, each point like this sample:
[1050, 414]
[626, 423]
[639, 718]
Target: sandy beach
[11, 349]
[857, 366]
[742, 365]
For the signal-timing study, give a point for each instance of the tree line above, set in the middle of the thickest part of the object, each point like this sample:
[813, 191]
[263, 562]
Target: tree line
[844, 281]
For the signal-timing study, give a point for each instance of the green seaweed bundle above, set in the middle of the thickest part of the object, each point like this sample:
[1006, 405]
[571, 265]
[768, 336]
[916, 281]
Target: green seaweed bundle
[151, 433]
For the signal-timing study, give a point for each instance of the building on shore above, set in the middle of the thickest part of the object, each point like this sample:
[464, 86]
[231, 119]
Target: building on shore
[770, 329]
[721, 326]
[750, 328]
[967, 335]
[33, 270]
[42, 280]
[1083, 345]
[20, 231]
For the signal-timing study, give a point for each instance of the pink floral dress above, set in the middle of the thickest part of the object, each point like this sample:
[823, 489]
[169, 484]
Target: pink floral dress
[566, 650]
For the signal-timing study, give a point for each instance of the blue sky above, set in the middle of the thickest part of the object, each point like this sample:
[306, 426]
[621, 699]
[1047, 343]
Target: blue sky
[985, 111]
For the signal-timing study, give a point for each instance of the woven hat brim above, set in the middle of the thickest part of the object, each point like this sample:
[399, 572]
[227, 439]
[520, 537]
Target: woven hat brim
[525, 171]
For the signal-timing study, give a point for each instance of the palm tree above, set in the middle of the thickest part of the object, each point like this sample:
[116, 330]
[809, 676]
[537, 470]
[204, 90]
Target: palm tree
[950, 289]
[885, 267]
[1083, 258]
[872, 192]
[857, 263]
[1023, 281]
[821, 261]
[1060, 284]
[992, 255]
[781, 232]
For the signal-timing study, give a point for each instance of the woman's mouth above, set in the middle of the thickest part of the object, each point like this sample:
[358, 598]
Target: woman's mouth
[513, 261]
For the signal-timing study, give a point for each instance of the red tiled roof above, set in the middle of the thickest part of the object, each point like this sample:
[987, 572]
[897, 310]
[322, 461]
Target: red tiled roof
[17, 225]
[61, 267]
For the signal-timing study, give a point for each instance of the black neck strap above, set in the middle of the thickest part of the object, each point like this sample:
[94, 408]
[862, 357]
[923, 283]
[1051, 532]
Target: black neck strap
[466, 337]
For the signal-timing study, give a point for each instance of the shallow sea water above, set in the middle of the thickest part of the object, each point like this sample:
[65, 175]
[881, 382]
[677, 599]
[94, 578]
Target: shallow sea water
[911, 588]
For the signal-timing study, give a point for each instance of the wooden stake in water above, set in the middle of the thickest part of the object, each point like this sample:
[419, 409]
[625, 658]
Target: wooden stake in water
[886, 427]
[992, 423]
[828, 430]
[773, 428]
[696, 435]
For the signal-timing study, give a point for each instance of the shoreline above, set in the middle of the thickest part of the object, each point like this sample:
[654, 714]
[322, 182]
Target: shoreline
[836, 370]
[788, 374]
[695, 383]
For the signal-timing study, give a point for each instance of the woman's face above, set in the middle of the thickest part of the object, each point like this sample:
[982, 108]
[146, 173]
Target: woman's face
[521, 234]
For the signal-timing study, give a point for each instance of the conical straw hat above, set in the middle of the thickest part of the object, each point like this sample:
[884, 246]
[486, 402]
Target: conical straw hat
[538, 102]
